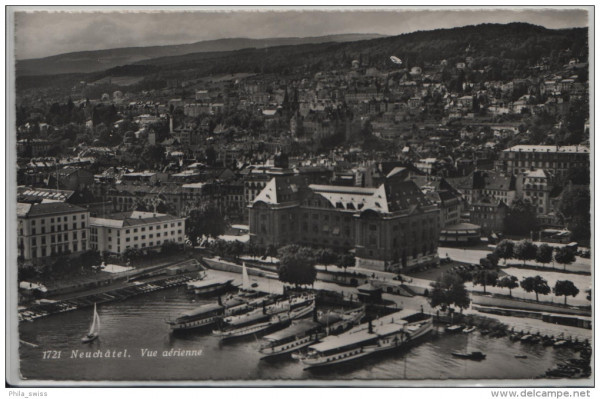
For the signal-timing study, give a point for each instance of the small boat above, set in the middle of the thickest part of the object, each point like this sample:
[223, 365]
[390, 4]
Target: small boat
[472, 356]
[560, 343]
[521, 356]
[526, 338]
[454, 328]
[94, 332]
[210, 286]
[469, 329]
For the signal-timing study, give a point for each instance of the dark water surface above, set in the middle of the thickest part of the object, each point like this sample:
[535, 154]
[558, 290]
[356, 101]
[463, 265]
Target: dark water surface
[138, 323]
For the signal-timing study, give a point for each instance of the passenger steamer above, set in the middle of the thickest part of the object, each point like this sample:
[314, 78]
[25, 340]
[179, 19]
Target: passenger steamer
[266, 318]
[209, 314]
[384, 334]
[307, 332]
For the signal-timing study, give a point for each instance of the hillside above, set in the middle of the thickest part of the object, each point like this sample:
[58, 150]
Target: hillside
[504, 51]
[94, 61]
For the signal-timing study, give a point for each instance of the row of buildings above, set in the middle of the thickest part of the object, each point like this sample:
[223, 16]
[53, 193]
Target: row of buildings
[50, 229]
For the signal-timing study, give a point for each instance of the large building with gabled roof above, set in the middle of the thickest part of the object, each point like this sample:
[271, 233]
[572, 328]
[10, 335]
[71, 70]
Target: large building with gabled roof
[389, 227]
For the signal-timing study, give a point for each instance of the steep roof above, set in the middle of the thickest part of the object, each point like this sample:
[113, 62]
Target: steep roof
[49, 208]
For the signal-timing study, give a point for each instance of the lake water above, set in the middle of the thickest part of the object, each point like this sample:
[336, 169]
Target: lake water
[138, 323]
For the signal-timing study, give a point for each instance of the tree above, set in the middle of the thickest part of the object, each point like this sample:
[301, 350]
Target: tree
[520, 219]
[485, 278]
[345, 261]
[153, 157]
[493, 259]
[525, 250]
[505, 249]
[574, 206]
[535, 284]
[205, 221]
[566, 288]
[544, 254]
[296, 265]
[449, 290]
[564, 256]
[326, 256]
[509, 282]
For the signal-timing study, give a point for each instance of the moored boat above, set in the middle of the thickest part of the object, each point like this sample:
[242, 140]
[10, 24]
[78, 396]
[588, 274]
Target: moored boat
[307, 332]
[476, 355]
[469, 329]
[210, 285]
[386, 333]
[454, 328]
[208, 314]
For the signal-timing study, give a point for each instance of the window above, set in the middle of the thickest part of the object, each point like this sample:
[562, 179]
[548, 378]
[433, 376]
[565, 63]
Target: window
[74, 217]
[74, 235]
[83, 234]
[135, 230]
[150, 228]
[74, 226]
[143, 229]
[150, 235]
[157, 235]
[178, 223]
[83, 225]
[33, 231]
[33, 222]
[127, 231]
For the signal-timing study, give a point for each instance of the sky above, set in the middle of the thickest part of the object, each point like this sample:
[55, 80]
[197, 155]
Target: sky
[44, 33]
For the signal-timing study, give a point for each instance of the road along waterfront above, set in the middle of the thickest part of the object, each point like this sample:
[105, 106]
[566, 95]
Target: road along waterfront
[136, 325]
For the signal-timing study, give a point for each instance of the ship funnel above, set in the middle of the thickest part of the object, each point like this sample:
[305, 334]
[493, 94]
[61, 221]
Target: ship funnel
[264, 306]
[370, 327]
[219, 301]
[315, 315]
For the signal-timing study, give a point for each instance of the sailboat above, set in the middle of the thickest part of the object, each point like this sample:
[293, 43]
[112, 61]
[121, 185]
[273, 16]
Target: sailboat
[94, 328]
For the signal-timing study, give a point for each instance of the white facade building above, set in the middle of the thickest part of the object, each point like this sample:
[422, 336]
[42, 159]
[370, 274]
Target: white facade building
[140, 230]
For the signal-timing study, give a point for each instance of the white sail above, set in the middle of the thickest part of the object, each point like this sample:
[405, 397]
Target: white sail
[97, 319]
[245, 278]
[93, 326]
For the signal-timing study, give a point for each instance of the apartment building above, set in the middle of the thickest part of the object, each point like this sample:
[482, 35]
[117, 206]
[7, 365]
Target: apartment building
[117, 232]
[51, 229]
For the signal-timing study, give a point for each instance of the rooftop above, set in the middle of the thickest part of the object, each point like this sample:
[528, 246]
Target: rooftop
[573, 149]
[49, 208]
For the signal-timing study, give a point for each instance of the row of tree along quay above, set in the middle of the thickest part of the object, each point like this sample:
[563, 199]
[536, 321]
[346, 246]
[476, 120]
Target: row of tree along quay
[525, 250]
[449, 289]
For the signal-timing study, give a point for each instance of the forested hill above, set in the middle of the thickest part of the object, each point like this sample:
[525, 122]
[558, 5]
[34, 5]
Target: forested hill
[100, 60]
[506, 51]
[523, 43]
